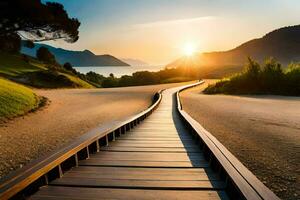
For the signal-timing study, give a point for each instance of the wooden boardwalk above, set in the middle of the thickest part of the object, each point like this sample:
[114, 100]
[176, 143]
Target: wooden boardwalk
[158, 159]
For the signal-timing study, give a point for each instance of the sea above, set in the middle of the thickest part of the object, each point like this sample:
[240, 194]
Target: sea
[118, 71]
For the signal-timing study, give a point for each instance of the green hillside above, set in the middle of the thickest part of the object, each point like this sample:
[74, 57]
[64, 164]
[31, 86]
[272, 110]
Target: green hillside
[30, 71]
[16, 99]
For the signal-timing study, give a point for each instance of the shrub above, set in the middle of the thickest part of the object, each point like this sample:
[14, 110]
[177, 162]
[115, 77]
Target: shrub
[270, 79]
[110, 82]
[43, 54]
[94, 77]
[67, 66]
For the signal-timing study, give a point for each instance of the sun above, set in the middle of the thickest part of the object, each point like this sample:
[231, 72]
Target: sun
[189, 49]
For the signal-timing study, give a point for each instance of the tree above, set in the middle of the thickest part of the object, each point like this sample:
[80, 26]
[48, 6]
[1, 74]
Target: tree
[68, 66]
[252, 69]
[35, 21]
[94, 77]
[43, 54]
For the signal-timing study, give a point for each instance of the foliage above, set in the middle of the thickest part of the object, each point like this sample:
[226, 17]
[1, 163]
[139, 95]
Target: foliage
[268, 79]
[35, 21]
[148, 78]
[51, 79]
[10, 43]
[67, 66]
[94, 77]
[43, 54]
[110, 82]
[15, 99]
[176, 79]
[32, 20]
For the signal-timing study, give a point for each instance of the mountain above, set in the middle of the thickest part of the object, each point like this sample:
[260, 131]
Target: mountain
[282, 44]
[134, 62]
[76, 58]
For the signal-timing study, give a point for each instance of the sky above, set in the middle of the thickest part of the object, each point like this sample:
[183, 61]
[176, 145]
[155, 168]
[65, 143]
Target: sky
[159, 31]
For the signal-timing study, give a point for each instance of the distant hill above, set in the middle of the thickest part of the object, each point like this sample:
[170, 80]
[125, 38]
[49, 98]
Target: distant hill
[282, 44]
[134, 62]
[77, 58]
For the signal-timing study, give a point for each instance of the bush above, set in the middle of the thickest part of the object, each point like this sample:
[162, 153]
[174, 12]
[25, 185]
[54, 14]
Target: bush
[46, 79]
[43, 54]
[272, 77]
[269, 79]
[292, 79]
[67, 66]
[145, 78]
[94, 78]
[110, 82]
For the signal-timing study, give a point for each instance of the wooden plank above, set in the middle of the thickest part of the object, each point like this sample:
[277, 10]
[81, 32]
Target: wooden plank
[181, 171]
[138, 184]
[152, 139]
[197, 174]
[124, 163]
[149, 145]
[123, 142]
[79, 193]
[156, 136]
[145, 149]
[147, 156]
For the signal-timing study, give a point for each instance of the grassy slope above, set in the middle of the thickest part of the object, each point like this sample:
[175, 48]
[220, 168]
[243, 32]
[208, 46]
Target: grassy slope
[15, 99]
[12, 66]
[78, 81]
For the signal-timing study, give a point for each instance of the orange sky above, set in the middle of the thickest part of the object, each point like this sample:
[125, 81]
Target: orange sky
[156, 31]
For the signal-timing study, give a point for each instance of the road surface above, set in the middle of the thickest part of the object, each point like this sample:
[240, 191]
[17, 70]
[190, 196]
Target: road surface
[263, 132]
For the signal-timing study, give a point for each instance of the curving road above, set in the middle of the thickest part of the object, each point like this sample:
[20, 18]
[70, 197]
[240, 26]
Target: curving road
[262, 131]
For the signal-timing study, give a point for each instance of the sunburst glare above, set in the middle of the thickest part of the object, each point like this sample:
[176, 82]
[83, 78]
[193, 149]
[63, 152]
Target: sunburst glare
[189, 49]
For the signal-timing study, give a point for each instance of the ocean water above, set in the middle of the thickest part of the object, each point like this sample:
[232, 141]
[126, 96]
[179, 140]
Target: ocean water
[118, 71]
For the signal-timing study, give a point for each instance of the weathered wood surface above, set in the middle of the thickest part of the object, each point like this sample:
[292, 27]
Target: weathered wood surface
[158, 159]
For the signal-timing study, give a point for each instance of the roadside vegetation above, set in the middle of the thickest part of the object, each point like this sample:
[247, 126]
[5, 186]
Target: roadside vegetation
[16, 100]
[167, 75]
[269, 78]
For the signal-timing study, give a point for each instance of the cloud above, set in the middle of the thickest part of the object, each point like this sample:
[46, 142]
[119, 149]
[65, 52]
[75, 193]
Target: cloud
[173, 22]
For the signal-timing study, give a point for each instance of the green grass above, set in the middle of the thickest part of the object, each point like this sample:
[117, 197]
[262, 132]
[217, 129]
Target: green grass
[15, 99]
[81, 83]
[32, 72]
[14, 65]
